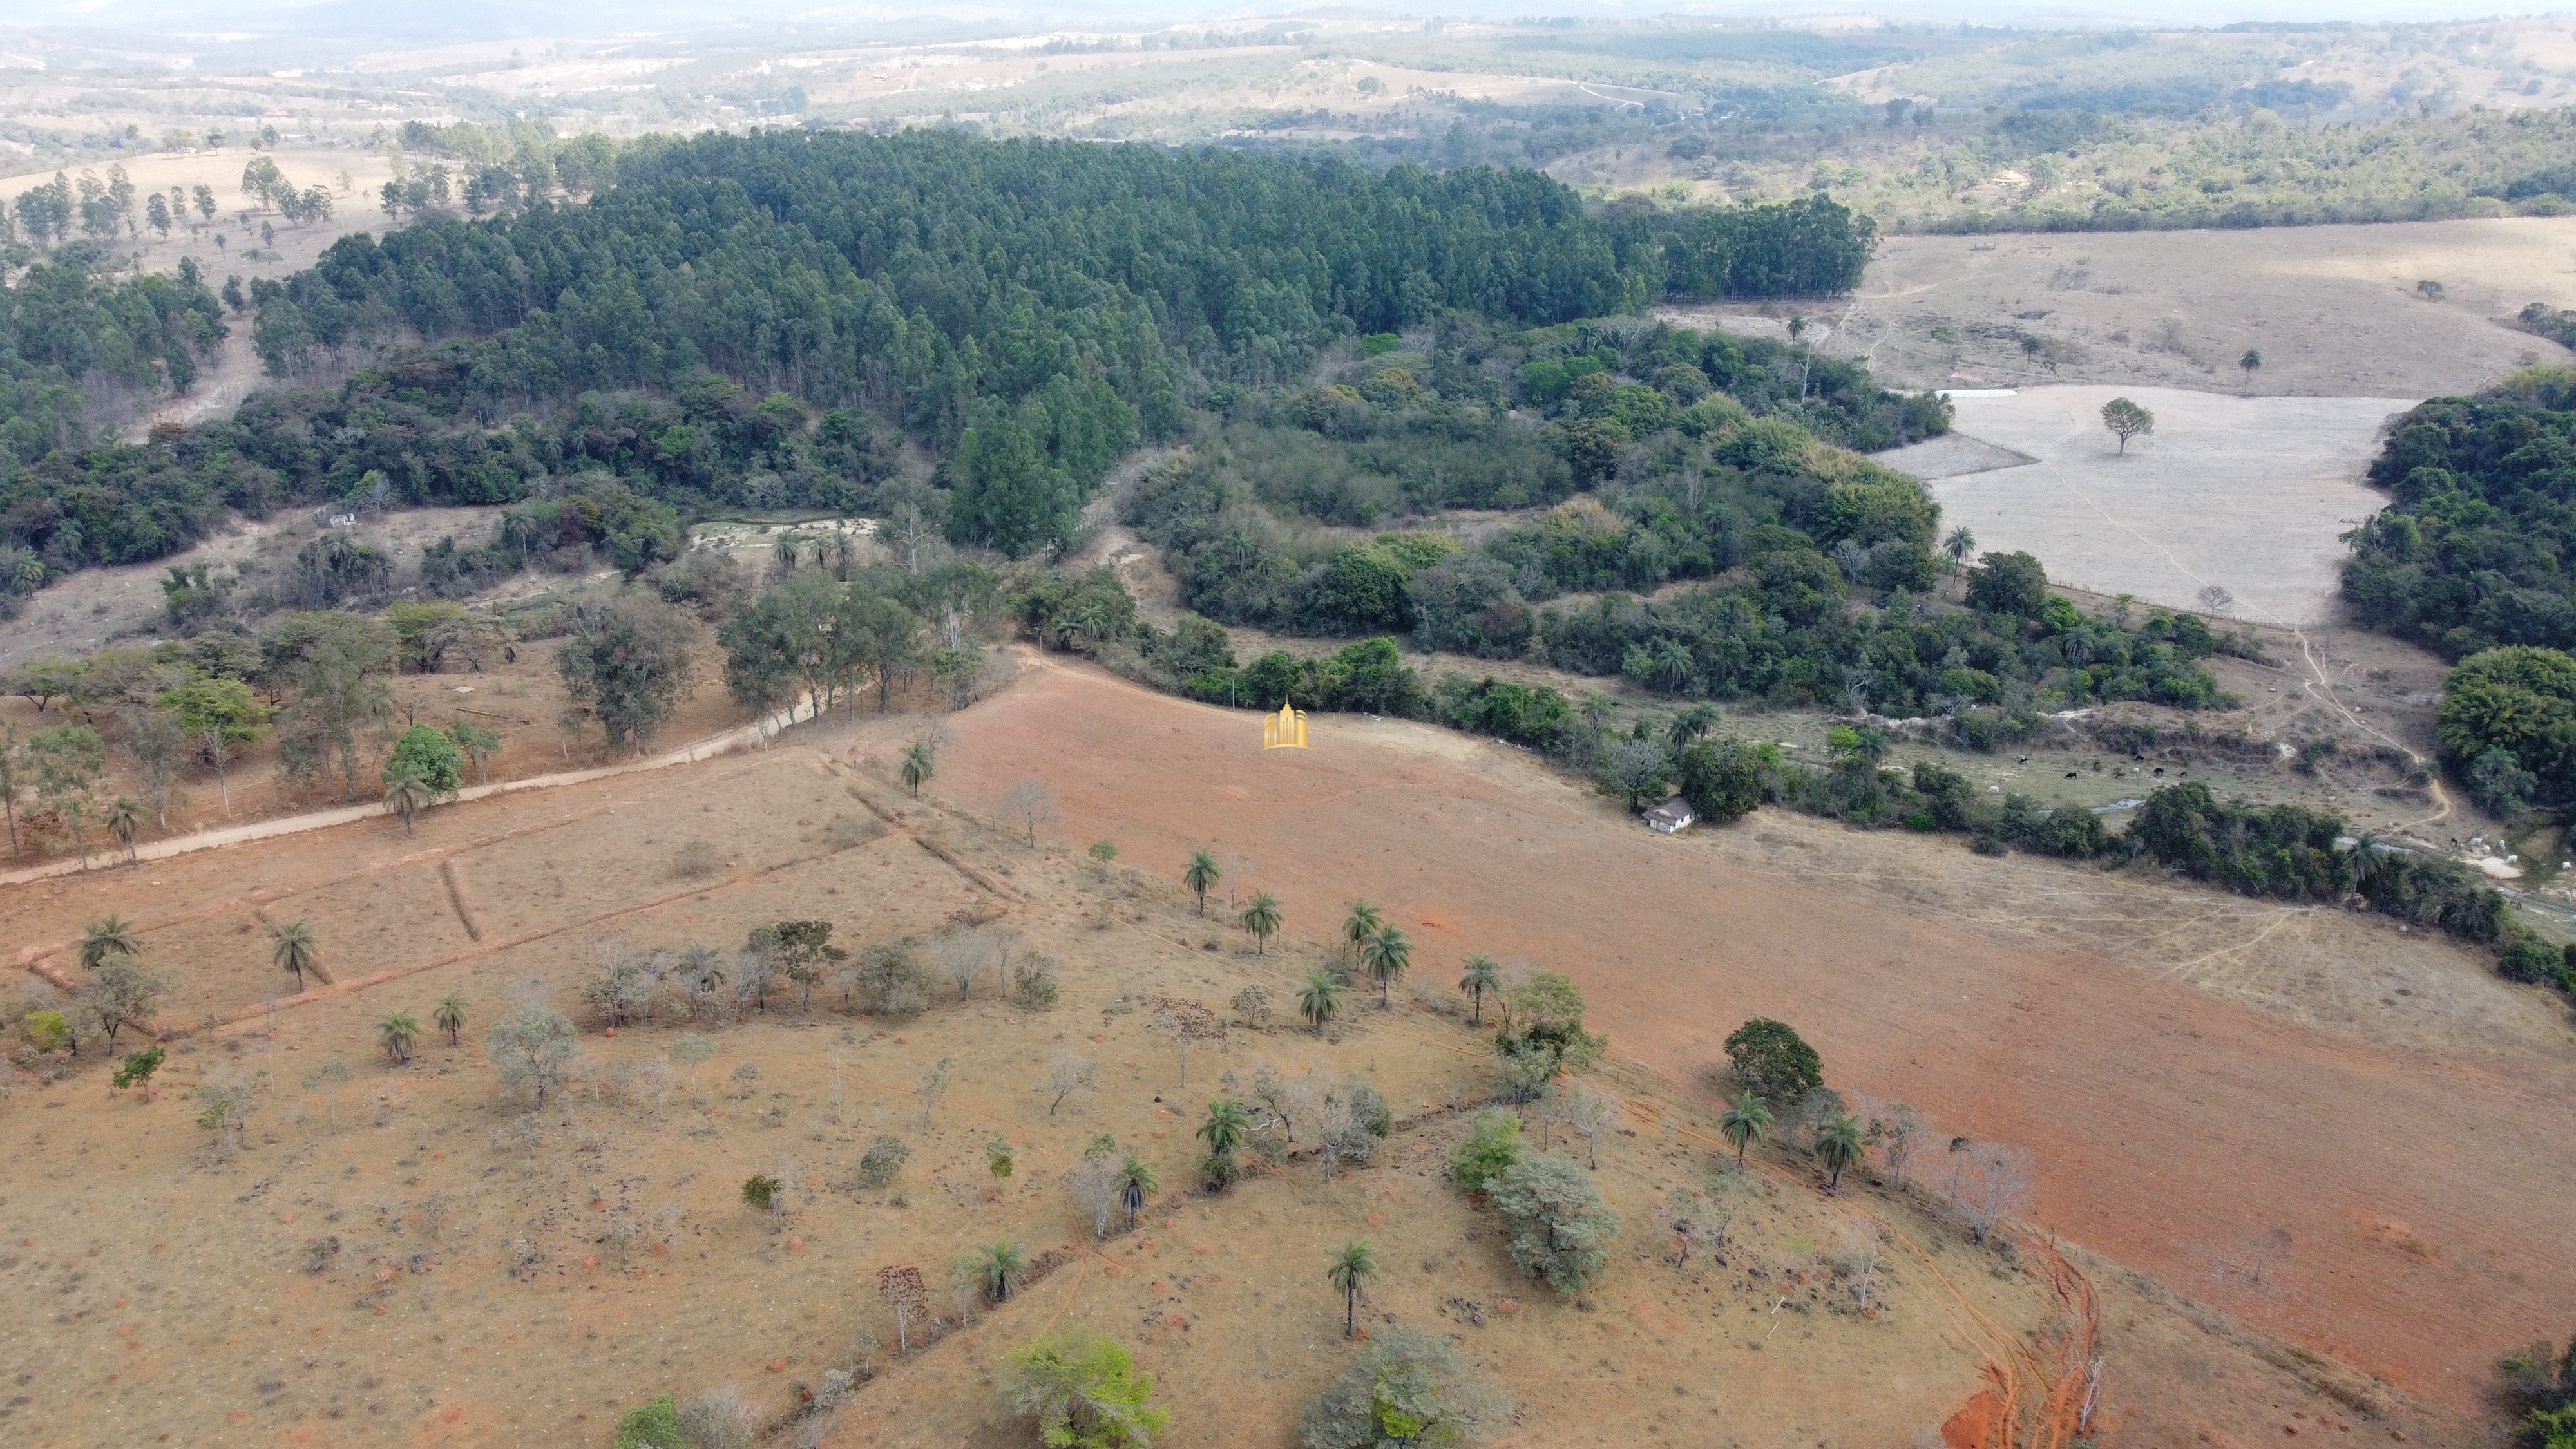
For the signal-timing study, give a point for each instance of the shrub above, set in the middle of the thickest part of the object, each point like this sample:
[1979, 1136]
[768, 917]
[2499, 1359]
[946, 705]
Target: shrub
[654, 1426]
[2526, 957]
[883, 1161]
[1561, 1230]
[1773, 1062]
[1492, 1147]
[1033, 984]
[760, 1192]
[1084, 1390]
[891, 980]
[697, 860]
[1406, 1387]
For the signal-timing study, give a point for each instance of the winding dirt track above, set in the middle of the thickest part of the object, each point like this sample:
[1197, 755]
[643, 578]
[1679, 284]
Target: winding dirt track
[2430, 1201]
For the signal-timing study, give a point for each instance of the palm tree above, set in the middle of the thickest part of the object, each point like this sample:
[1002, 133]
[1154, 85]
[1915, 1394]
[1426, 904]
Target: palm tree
[1135, 1184]
[1746, 1122]
[1483, 974]
[295, 950]
[1672, 665]
[397, 1032]
[1839, 1146]
[407, 794]
[1690, 725]
[1959, 544]
[1386, 954]
[1363, 923]
[1001, 1268]
[919, 764]
[1261, 918]
[1320, 1000]
[1355, 1264]
[111, 937]
[125, 818]
[1201, 876]
[450, 1016]
[1225, 1128]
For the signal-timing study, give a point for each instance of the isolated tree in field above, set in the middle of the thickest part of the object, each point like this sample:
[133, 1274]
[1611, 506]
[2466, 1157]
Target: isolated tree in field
[136, 1070]
[478, 745]
[1386, 954]
[1746, 1121]
[1066, 1075]
[1352, 1267]
[224, 717]
[293, 949]
[1320, 999]
[1988, 1182]
[2126, 420]
[124, 822]
[692, 1051]
[407, 795]
[903, 1291]
[112, 939]
[1482, 974]
[1959, 545]
[1202, 876]
[68, 760]
[1261, 918]
[1773, 1063]
[450, 1016]
[127, 991]
[920, 762]
[630, 662]
[396, 1033]
[157, 746]
[1839, 1144]
[1001, 1266]
[1560, 1228]
[2251, 362]
[531, 1047]
[1029, 805]
[1136, 1183]
[804, 950]
[1407, 1387]
[1359, 925]
[430, 755]
[1085, 1392]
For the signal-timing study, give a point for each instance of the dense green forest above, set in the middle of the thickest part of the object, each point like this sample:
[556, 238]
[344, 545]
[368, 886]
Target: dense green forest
[1665, 457]
[758, 321]
[2470, 558]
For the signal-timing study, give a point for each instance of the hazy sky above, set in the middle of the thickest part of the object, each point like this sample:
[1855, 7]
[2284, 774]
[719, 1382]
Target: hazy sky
[470, 19]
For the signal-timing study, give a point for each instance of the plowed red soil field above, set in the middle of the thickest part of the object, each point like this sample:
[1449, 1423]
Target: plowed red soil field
[2428, 1200]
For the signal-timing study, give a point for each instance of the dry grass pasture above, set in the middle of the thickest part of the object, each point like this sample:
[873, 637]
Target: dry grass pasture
[416, 1257]
[2252, 495]
[2333, 309]
[2026, 1002]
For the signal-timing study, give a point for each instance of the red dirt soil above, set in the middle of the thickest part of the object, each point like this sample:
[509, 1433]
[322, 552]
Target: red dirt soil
[2430, 1201]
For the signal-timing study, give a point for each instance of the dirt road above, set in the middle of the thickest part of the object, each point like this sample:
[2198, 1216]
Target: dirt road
[2408, 1211]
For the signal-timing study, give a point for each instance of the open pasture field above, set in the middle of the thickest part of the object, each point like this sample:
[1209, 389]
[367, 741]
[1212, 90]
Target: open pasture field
[2249, 495]
[2334, 310]
[2115, 1025]
[415, 1257]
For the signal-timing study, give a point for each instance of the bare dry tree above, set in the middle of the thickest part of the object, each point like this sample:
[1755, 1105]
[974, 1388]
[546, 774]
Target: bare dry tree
[1186, 1022]
[1029, 805]
[1066, 1075]
[1988, 1182]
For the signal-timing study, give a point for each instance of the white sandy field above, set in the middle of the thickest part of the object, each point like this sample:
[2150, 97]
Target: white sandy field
[2251, 495]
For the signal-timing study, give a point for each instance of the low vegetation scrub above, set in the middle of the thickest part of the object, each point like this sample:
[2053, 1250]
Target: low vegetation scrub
[1406, 1387]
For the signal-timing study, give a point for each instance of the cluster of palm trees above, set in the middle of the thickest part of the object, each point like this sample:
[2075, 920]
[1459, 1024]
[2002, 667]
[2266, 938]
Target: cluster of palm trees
[1839, 1142]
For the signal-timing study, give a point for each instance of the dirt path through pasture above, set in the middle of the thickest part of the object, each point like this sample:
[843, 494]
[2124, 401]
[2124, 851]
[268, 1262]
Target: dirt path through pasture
[2174, 1129]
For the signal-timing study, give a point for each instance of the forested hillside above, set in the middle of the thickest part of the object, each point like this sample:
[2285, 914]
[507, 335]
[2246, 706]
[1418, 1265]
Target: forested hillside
[1030, 310]
[2471, 559]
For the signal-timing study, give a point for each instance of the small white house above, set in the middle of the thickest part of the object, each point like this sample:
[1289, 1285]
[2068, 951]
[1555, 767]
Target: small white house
[1671, 816]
